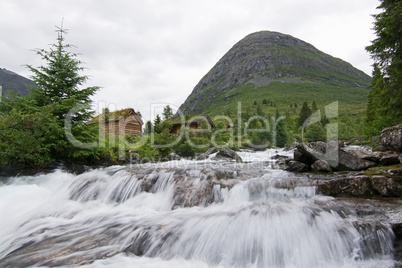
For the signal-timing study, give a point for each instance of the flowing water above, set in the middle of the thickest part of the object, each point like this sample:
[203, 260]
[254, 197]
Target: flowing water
[183, 214]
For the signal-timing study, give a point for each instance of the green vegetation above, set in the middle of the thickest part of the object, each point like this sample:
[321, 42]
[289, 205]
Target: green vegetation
[385, 98]
[33, 127]
[290, 99]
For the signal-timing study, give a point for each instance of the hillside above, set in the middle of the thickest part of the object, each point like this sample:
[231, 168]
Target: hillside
[17, 83]
[281, 69]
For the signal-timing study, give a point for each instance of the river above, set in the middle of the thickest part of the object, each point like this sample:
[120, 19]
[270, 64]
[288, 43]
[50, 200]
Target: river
[184, 214]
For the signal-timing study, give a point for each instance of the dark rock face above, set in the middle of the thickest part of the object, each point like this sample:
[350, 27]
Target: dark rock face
[391, 138]
[228, 153]
[363, 186]
[266, 56]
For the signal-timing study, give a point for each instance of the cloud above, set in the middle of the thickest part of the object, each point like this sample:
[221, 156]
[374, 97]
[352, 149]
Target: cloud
[143, 52]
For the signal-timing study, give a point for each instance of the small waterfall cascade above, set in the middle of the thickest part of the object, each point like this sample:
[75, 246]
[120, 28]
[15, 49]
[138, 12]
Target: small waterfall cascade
[153, 216]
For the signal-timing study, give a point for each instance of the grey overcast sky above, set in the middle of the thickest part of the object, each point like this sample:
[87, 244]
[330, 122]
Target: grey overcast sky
[146, 54]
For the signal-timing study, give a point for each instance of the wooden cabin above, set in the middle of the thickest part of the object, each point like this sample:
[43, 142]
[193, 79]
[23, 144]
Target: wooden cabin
[124, 121]
[193, 122]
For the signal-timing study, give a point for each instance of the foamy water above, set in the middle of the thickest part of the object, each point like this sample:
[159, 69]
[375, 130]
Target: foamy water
[130, 217]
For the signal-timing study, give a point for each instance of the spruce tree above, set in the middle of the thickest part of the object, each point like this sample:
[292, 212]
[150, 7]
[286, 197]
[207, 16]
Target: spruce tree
[42, 114]
[59, 81]
[385, 98]
[281, 134]
[304, 114]
[314, 106]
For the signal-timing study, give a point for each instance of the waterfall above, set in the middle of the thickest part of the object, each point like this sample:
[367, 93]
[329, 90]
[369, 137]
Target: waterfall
[155, 216]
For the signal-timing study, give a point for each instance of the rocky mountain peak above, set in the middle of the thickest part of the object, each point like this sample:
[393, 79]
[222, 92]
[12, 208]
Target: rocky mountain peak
[272, 56]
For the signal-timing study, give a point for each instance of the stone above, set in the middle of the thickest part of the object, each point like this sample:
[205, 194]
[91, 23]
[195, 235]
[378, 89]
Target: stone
[391, 138]
[308, 153]
[349, 162]
[228, 153]
[387, 186]
[279, 157]
[296, 166]
[390, 159]
[349, 186]
[205, 155]
[173, 156]
[363, 186]
[366, 155]
[337, 158]
[321, 166]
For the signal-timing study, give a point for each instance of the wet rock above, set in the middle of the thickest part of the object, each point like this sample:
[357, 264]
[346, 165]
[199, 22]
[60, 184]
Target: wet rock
[387, 186]
[391, 138]
[363, 186]
[321, 166]
[228, 153]
[296, 166]
[279, 157]
[349, 186]
[207, 153]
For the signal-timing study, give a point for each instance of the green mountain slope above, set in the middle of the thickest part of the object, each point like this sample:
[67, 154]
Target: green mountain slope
[275, 70]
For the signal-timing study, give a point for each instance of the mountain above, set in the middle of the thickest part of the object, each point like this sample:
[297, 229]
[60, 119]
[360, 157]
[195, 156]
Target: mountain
[277, 67]
[14, 82]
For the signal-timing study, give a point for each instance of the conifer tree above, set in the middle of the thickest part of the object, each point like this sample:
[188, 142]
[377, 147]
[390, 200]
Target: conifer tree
[42, 114]
[304, 114]
[59, 81]
[167, 112]
[385, 98]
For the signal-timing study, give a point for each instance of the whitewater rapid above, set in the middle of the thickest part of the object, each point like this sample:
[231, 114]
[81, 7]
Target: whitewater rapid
[183, 214]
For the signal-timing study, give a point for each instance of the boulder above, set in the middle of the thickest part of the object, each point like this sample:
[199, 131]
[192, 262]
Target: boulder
[337, 158]
[279, 157]
[296, 166]
[228, 153]
[308, 153]
[173, 156]
[349, 186]
[366, 155]
[363, 186]
[349, 162]
[321, 166]
[205, 155]
[390, 159]
[387, 186]
[391, 138]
